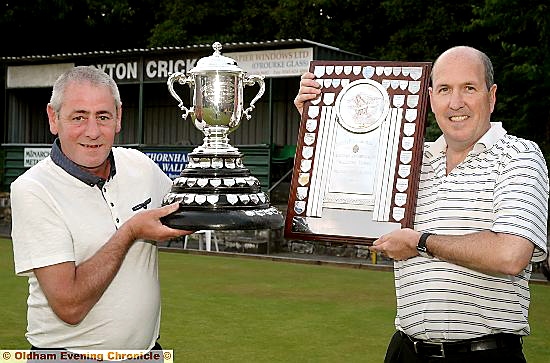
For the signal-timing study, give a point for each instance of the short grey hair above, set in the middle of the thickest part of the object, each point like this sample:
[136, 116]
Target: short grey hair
[80, 74]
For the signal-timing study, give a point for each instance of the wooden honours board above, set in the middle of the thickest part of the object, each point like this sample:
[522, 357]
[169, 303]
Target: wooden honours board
[359, 151]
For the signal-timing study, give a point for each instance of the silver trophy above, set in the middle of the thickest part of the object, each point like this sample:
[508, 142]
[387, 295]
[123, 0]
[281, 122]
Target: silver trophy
[215, 190]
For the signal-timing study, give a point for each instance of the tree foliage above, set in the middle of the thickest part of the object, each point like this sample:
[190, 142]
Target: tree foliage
[514, 33]
[522, 58]
[48, 27]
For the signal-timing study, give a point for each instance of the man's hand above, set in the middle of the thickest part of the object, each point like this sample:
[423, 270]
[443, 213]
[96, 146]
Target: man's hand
[147, 225]
[397, 245]
[309, 90]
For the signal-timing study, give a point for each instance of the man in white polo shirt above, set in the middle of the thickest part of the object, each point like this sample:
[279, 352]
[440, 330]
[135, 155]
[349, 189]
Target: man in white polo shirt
[83, 225]
[462, 275]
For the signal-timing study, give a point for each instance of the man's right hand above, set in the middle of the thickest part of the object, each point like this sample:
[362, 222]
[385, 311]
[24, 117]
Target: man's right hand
[147, 225]
[309, 90]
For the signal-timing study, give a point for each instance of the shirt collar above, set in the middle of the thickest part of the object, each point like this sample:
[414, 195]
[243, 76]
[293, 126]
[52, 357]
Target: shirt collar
[61, 160]
[495, 133]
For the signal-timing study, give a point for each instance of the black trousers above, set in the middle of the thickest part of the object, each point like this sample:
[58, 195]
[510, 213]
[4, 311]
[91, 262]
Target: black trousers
[61, 355]
[401, 351]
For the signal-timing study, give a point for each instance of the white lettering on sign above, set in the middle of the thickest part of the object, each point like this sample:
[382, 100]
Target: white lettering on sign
[121, 71]
[269, 63]
[274, 63]
[172, 163]
[163, 68]
[32, 155]
[154, 69]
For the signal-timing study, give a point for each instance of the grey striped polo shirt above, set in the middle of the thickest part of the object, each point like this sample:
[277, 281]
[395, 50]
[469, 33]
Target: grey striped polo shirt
[501, 186]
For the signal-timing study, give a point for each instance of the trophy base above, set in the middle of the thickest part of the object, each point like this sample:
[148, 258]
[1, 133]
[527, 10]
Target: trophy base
[216, 192]
[194, 220]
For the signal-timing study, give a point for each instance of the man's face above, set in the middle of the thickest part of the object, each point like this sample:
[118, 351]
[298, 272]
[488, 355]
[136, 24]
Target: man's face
[86, 125]
[460, 100]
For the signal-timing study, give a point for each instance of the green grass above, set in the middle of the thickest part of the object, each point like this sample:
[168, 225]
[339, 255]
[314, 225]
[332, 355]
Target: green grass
[233, 309]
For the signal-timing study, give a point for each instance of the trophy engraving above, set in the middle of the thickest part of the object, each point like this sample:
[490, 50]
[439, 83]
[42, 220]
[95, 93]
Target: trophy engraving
[216, 190]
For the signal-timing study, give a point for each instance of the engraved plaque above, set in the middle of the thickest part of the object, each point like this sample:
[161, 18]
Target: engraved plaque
[359, 151]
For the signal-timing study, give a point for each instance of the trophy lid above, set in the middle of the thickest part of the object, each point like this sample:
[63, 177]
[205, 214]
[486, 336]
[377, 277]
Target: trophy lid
[216, 62]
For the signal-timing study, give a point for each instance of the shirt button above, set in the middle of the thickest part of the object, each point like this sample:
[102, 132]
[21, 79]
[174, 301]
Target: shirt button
[117, 220]
[112, 205]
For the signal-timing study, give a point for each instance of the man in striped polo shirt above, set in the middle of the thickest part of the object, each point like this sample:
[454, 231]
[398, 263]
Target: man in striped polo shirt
[462, 275]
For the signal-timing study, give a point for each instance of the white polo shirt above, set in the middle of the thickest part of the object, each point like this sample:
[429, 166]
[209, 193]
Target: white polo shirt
[57, 218]
[501, 186]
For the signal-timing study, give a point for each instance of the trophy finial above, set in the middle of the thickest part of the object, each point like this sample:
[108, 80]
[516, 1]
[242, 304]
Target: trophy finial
[217, 47]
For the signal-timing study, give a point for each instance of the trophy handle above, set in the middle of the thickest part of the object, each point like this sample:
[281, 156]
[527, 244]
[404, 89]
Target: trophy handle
[182, 79]
[249, 81]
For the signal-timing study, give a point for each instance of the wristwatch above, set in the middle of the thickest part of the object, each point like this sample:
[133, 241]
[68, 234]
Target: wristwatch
[421, 246]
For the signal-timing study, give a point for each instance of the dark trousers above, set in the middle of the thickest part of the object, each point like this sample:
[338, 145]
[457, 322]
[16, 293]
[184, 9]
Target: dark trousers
[400, 350]
[44, 355]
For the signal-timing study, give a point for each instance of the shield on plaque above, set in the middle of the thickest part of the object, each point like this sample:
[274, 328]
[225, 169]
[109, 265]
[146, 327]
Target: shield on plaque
[311, 125]
[368, 71]
[411, 114]
[412, 101]
[405, 157]
[305, 166]
[394, 83]
[301, 193]
[407, 142]
[398, 213]
[414, 87]
[398, 100]
[409, 128]
[328, 98]
[299, 206]
[313, 111]
[309, 138]
[404, 171]
[400, 199]
[303, 179]
[401, 184]
[307, 152]
[416, 73]
[319, 71]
